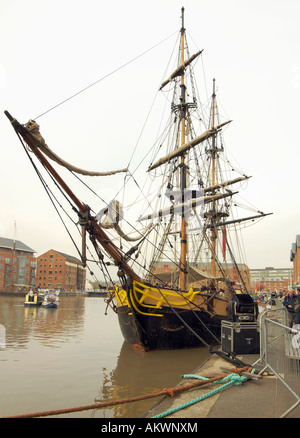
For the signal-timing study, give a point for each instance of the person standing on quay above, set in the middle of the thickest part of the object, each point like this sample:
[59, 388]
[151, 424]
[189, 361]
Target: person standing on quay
[297, 306]
[289, 302]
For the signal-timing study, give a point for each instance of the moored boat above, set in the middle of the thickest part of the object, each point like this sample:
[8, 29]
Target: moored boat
[33, 299]
[50, 300]
[175, 262]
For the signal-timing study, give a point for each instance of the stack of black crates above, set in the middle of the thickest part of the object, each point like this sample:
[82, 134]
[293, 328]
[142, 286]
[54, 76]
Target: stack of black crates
[240, 333]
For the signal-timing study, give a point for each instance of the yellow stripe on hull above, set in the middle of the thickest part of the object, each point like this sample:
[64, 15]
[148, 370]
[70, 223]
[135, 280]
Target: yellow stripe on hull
[154, 298]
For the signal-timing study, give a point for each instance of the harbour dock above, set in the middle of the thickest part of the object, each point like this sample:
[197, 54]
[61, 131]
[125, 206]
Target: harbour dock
[259, 383]
[257, 397]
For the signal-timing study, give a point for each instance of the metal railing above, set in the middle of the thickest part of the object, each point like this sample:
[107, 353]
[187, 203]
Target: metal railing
[280, 350]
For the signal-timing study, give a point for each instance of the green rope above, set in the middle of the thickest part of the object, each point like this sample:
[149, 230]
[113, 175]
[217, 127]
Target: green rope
[231, 379]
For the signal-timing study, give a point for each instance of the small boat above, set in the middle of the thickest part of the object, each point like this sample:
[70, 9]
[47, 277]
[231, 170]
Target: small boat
[33, 299]
[50, 300]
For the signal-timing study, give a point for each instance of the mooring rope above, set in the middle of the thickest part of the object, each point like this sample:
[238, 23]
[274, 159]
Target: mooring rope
[231, 379]
[166, 392]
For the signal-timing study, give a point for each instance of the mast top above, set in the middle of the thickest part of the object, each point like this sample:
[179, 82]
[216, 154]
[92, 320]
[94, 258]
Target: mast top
[182, 21]
[214, 88]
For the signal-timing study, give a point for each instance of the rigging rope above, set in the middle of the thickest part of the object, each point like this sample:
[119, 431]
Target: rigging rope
[50, 193]
[33, 129]
[52, 197]
[106, 76]
[186, 324]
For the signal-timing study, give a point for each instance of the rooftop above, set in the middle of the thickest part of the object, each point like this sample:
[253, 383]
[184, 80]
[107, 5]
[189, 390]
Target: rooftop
[70, 258]
[66, 256]
[14, 244]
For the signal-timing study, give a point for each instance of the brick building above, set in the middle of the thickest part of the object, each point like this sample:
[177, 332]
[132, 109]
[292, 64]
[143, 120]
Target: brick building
[270, 279]
[295, 258]
[56, 270]
[17, 266]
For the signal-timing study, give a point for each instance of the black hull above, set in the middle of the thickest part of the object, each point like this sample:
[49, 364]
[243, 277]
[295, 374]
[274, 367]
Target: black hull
[169, 332]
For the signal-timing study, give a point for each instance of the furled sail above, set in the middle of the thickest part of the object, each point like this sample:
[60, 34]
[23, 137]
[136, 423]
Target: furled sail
[184, 148]
[198, 274]
[225, 184]
[110, 216]
[34, 129]
[184, 206]
[180, 70]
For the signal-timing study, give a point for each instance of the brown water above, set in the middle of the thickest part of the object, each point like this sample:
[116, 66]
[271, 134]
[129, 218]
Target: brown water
[61, 358]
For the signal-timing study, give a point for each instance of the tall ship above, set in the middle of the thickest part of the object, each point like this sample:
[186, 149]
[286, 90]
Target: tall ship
[168, 249]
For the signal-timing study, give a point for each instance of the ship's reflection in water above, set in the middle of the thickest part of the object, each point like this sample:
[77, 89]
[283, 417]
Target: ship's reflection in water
[73, 355]
[138, 373]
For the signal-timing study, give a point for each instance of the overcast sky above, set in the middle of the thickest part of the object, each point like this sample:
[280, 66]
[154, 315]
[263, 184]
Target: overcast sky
[51, 49]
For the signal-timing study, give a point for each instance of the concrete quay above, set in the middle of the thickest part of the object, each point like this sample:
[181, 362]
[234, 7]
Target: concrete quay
[261, 397]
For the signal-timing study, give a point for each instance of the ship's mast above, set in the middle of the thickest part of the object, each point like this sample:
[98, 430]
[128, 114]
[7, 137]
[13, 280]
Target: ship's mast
[183, 237]
[214, 214]
[213, 181]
